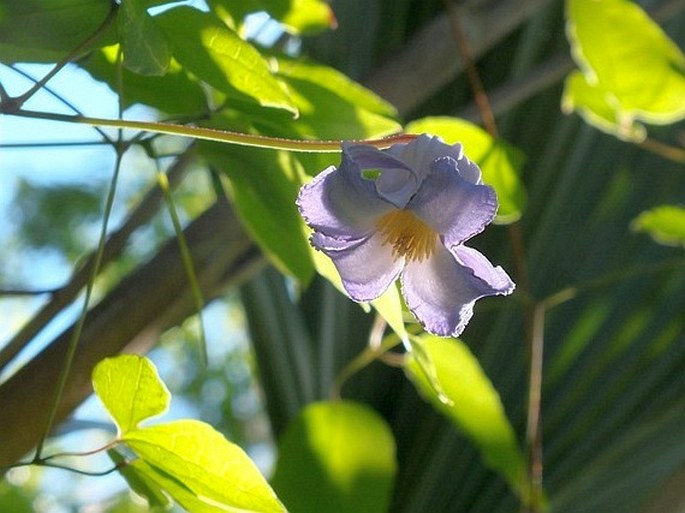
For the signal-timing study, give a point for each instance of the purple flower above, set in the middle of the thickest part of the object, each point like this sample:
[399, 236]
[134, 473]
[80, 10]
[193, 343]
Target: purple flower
[407, 211]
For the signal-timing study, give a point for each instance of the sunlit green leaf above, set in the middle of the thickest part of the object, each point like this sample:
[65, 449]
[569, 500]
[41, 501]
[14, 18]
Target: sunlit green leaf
[592, 103]
[666, 224]
[629, 63]
[217, 55]
[144, 45]
[45, 30]
[130, 389]
[474, 405]
[336, 457]
[500, 162]
[174, 93]
[332, 106]
[264, 186]
[217, 472]
[297, 16]
[305, 16]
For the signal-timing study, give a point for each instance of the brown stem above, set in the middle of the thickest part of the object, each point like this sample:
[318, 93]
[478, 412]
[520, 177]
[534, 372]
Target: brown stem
[534, 421]
[664, 150]
[533, 316]
[465, 53]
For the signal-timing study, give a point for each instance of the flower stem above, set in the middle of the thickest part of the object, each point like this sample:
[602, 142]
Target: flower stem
[363, 359]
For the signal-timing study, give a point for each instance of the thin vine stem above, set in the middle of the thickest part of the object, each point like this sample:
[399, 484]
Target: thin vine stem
[371, 353]
[464, 48]
[664, 150]
[187, 259]
[216, 135]
[120, 149]
[27, 292]
[44, 463]
[60, 99]
[51, 144]
[569, 293]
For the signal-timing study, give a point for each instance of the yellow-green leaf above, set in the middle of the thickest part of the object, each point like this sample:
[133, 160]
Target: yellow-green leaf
[307, 16]
[130, 389]
[593, 105]
[628, 62]
[500, 162]
[336, 457]
[208, 469]
[666, 224]
[474, 405]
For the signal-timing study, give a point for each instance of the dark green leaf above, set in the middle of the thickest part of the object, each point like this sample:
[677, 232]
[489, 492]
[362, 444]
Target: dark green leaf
[46, 30]
[264, 185]
[175, 93]
[145, 49]
[336, 457]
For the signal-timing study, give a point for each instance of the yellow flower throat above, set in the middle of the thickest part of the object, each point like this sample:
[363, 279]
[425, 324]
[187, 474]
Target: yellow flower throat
[409, 236]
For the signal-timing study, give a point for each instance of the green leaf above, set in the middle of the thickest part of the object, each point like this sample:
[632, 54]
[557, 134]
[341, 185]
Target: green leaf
[500, 162]
[332, 106]
[592, 103]
[300, 17]
[145, 48]
[264, 186]
[46, 30]
[666, 224]
[218, 56]
[174, 94]
[631, 67]
[137, 475]
[130, 389]
[304, 17]
[336, 457]
[474, 405]
[214, 471]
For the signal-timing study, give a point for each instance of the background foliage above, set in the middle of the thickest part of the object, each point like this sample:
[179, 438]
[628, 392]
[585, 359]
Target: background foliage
[454, 429]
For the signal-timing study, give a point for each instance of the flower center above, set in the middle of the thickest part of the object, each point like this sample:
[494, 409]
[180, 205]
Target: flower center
[410, 237]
